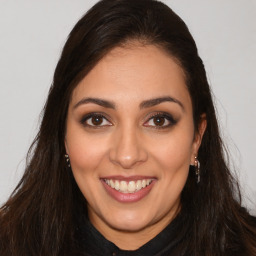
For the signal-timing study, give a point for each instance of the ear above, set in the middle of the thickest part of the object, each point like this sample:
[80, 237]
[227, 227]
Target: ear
[66, 146]
[198, 138]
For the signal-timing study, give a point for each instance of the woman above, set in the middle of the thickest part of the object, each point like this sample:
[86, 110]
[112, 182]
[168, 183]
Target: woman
[128, 159]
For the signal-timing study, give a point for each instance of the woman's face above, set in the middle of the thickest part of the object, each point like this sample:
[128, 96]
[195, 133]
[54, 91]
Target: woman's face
[130, 138]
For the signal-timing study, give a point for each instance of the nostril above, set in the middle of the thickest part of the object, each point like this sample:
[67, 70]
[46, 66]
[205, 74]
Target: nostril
[128, 161]
[126, 150]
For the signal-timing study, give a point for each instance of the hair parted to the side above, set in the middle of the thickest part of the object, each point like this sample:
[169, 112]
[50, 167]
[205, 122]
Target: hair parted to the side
[39, 217]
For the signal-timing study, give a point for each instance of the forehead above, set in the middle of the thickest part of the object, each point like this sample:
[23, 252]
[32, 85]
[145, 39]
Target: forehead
[134, 72]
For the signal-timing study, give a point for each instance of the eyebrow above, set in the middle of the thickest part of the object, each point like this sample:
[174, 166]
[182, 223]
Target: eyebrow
[143, 104]
[101, 102]
[156, 101]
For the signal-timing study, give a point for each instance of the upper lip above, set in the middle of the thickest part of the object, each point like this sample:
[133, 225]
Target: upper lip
[127, 178]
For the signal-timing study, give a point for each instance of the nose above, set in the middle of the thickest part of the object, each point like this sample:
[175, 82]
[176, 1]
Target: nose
[127, 149]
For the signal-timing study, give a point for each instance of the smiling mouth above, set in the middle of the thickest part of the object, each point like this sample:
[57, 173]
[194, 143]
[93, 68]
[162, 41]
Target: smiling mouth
[128, 186]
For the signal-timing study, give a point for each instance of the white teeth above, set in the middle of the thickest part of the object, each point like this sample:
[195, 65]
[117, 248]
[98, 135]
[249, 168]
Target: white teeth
[117, 185]
[144, 183]
[123, 186]
[131, 186]
[112, 184]
[138, 185]
[128, 187]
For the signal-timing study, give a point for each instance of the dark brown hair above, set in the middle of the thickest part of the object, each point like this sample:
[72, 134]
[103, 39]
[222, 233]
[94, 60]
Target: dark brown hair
[39, 217]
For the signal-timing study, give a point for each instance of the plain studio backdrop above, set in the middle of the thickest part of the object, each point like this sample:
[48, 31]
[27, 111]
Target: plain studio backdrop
[32, 34]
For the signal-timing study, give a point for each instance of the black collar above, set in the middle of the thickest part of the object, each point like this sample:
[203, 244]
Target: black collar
[166, 243]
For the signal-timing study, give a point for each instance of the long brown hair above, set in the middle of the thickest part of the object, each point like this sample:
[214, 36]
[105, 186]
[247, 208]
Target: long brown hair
[39, 217]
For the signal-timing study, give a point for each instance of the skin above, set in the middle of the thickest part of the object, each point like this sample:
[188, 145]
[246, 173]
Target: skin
[128, 141]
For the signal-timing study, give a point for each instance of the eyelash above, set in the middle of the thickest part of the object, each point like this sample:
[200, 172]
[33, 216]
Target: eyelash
[169, 118]
[171, 121]
[96, 115]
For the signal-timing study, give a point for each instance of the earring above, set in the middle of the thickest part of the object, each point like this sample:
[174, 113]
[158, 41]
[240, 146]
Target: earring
[197, 170]
[67, 159]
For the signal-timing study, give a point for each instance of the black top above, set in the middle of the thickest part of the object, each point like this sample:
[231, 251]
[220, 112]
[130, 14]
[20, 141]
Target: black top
[166, 243]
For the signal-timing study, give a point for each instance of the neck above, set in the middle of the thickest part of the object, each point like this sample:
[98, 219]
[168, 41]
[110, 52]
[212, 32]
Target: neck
[132, 239]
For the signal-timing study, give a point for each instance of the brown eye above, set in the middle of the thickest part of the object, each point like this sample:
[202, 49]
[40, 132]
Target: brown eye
[97, 120]
[159, 120]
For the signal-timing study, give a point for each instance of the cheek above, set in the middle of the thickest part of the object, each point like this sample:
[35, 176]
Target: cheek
[173, 160]
[174, 153]
[85, 151]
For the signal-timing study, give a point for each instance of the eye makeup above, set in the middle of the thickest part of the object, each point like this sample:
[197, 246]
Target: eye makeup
[95, 120]
[155, 120]
[160, 120]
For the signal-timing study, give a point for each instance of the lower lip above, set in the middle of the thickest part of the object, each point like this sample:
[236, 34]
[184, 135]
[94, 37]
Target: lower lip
[128, 197]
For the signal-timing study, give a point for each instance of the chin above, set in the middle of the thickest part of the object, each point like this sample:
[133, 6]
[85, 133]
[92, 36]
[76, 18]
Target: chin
[129, 222]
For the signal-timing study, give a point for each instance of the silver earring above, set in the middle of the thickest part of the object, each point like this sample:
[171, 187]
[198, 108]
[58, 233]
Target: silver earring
[67, 159]
[197, 170]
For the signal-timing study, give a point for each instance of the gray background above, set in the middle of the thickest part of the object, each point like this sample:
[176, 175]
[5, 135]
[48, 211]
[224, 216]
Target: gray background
[32, 34]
